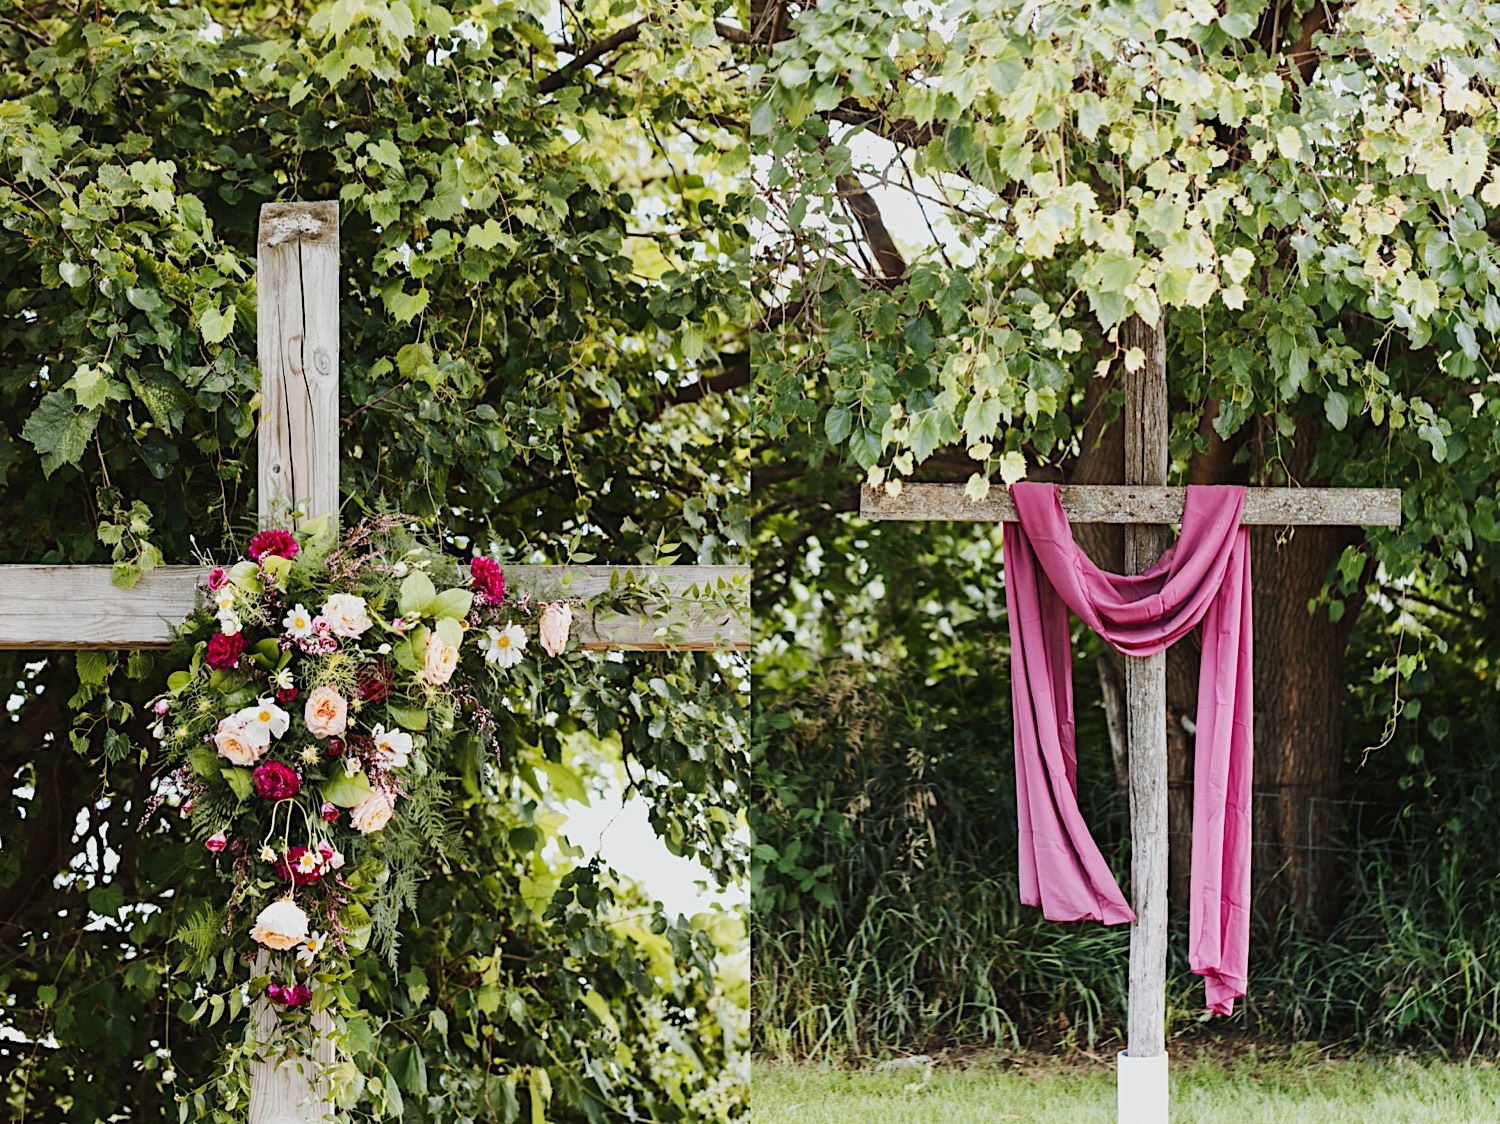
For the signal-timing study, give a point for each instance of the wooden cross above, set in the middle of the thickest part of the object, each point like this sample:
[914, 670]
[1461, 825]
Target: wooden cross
[75, 607]
[1145, 505]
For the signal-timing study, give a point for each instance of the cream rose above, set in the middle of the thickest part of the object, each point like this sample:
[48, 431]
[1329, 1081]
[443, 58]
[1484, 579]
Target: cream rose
[557, 618]
[239, 742]
[346, 615]
[281, 925]
[372, 813]
[326, 713]
[440, 661]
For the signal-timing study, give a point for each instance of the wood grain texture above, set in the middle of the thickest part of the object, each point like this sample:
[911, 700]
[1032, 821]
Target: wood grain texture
[282, 1089]
[298, 346]
[1146, 706]
[51, 608]
[1131, 503]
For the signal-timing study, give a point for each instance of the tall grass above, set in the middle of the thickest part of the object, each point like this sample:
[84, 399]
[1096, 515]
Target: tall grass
[892, 924]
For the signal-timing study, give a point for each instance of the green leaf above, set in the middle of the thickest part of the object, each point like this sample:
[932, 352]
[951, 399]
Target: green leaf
[107, 900]
[407, 717]
[409, 1067]
[1012, 467]
[563, 781]
[46, 995]
[449, 630]
[454, 603]
[837, 424]
[404, 306]
[1336, 407]
[345, 791]
[417, 592]
[59, 432]
[93, 666]
[239, 780]
[216, 325]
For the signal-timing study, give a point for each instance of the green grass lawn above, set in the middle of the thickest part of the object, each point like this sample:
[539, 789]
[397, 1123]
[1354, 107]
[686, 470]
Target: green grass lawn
[1302, 1086]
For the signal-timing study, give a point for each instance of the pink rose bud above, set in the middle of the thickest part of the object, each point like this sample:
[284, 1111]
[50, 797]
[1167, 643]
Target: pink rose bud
[217, 843]
[335, 747]
[162, 707]
[187, 808]
[320, 624]
[217, 577]
[325, 848]
[331, 815]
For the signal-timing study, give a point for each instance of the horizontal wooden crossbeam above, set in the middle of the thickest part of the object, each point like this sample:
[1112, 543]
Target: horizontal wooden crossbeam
[1134, 503]
[72, 607]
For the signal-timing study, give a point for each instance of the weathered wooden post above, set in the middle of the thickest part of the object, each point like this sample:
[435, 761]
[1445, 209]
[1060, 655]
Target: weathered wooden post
[297, 306]
[1145, 505]
[1141, 1086]
[53, 608]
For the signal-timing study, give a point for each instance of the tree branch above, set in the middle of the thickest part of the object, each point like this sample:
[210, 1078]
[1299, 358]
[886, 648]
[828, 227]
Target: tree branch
[565, 74]
[867, 213]
[898, 130]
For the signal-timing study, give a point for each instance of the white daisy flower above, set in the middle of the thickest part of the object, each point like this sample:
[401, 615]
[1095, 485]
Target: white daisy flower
[229, 622]
[314, 944]
[308, 862]
[265, 716]
[503, 646]
[298, 622]
[224, 598]
[284, 680]
[393, 747]
[267, 855]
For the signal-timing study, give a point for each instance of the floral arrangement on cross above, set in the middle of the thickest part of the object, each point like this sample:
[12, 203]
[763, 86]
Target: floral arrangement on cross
[306, 735]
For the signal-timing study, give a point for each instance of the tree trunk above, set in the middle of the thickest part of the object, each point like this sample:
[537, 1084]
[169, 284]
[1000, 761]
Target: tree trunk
[1299, 725]
[1299, 686]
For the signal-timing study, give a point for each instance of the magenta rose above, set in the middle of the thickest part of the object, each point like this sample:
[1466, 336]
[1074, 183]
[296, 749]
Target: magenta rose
[289, 870]
[224, 651]
[487, 579]
[216, 842]
[275, 781]
[330, 814]
[278, 543]
[289, 995]
[217, 577]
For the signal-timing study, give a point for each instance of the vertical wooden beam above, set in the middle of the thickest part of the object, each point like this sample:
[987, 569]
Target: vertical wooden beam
[1146, 741]
[298, 319]
[298, 314]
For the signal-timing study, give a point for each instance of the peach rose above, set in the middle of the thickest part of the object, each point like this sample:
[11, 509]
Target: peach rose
[281, 925]
[440, 661]
[326, 713]
[241, 743]
[372, 813]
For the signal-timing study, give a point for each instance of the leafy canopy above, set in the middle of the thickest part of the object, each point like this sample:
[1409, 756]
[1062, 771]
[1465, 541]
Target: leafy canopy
[1313, 224]
[543, 242]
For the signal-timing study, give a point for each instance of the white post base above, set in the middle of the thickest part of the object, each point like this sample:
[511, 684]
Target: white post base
[1142, 1089]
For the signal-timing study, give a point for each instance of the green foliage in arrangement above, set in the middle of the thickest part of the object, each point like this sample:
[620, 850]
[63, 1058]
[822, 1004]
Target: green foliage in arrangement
[543, 245]
[1316, 230]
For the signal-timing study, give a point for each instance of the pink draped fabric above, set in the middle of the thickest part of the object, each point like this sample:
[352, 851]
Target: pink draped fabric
[1203, 578]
